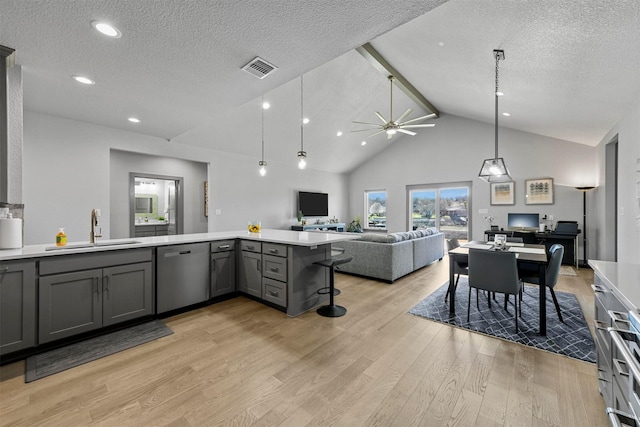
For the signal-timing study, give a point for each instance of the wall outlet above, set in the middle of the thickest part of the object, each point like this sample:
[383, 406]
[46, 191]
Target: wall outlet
[483, 211]
[550, 217]
[218, 211]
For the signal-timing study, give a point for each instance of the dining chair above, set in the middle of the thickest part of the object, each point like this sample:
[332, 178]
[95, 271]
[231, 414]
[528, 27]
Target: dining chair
[556, 252]
[494, 271]
[459, 267]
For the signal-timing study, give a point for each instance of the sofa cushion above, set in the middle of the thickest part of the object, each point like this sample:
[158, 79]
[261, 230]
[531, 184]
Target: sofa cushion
[378, 238]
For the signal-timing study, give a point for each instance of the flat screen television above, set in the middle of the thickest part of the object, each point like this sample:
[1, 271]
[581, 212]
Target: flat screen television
[313, 204]
[523, 221]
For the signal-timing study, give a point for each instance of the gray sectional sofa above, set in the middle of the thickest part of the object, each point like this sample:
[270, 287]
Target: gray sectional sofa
[390, 256]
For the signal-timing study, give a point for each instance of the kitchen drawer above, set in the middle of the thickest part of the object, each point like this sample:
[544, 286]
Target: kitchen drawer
[250, 246]
[274, 292]
[77, 262]
[223, 246]
[274, 267]
[274, 249]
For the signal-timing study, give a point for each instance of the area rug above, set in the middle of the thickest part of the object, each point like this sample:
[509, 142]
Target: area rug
[58, 360]
[571, 338]
[567, 270]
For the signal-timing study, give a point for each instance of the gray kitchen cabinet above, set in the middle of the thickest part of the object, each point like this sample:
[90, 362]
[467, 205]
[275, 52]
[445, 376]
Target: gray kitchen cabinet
[81, 293]
[127, 292]
[17, 305]
[274, 273]
[223, 268]
[250, 271]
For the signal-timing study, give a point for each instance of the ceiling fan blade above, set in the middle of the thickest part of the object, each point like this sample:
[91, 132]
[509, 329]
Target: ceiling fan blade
[408, 132]
[365, 123]
[428, 116]
[406, 113]
[381, 117]
[427, 125]
[374, 134]
[362, 130]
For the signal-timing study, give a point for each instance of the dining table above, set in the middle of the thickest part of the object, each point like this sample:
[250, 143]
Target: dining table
[528, 256]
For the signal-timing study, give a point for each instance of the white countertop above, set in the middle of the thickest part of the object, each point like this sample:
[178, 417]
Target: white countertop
[622, 278]
[286, 237]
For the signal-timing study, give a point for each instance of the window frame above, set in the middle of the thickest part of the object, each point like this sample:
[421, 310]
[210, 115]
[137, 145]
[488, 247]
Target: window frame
[365, 220]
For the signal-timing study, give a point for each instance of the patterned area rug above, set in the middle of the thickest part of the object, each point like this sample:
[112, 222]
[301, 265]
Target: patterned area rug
[571, 338]
[60, 359]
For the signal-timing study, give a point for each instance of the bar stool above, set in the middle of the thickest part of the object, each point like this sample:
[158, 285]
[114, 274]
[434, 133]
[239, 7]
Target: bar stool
[332, 310]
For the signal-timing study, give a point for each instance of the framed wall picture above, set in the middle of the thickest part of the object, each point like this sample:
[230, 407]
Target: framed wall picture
[538, 191]
[503, 193]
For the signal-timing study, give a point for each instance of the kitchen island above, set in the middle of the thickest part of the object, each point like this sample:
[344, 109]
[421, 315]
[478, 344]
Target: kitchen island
[51, 293]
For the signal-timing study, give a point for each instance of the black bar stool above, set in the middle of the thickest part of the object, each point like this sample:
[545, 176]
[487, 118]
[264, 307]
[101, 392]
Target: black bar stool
[332, 310]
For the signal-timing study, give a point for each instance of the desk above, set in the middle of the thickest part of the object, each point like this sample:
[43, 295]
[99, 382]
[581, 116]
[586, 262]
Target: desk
[337, 226]
[569, 241]
[524, 258]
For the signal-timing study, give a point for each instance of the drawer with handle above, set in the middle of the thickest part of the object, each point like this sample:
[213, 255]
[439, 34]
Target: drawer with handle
[274, 292]
[274, 249]
[274, 267]
[223, 246]
[250, 246]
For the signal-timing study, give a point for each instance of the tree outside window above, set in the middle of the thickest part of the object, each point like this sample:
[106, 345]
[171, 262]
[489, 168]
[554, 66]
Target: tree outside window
[376, 209]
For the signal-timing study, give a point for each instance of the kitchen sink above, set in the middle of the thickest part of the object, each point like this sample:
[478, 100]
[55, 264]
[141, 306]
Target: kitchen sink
[91, 245]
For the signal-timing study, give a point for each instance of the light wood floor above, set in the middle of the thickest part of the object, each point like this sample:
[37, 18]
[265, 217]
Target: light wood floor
[240, 363]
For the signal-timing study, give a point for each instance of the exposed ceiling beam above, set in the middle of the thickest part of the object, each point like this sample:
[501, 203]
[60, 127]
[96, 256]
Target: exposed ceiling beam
[381, 64]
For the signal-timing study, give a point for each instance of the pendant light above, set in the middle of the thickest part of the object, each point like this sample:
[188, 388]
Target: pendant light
[495, 170]
[262, 163]
[302, 155]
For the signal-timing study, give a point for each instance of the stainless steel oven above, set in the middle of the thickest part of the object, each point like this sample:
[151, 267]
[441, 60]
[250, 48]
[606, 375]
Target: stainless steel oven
[625, 351]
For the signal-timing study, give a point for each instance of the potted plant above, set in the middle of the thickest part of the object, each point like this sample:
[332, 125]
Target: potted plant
[299, 217]
[355, 226]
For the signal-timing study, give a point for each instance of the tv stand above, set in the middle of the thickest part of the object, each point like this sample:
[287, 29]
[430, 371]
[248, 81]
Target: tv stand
[337, 226]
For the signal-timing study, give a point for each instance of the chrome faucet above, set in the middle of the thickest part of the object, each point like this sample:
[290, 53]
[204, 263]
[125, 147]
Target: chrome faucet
[95, 216]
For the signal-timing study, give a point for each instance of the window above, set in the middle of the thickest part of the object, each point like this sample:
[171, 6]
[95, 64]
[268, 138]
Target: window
[375, 204]
[444, 206]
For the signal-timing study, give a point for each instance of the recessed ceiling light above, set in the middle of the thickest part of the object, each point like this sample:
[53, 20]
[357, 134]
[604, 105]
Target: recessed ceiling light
[363, 143]
[506, 114]
[106, 29]
[500, 93]
[84, 80]
[134, 120]
[305, 120]
[339, 133]
[266, 105]
[440, 44]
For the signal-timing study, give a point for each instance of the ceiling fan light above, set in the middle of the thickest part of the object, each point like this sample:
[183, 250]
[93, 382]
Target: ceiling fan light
[391, 131]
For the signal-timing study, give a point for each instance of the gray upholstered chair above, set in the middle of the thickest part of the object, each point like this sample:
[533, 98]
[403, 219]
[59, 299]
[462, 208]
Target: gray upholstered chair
[494, 271]
[460, 267]
[556, 252]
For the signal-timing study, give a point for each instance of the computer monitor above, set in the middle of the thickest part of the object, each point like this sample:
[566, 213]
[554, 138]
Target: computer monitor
[523, 221]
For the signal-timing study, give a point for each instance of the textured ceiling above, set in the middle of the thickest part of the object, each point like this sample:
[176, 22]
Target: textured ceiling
[572, 68]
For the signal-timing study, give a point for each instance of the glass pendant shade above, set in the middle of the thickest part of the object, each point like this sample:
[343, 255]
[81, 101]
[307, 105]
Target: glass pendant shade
[494, 170]
[302, 159]
[263, 167]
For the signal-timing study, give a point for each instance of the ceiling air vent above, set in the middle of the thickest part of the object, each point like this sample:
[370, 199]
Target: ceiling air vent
[259, 67]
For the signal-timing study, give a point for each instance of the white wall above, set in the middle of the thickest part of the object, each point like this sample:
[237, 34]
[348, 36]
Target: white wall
[67, 168]
[628, 133]
[453, 151]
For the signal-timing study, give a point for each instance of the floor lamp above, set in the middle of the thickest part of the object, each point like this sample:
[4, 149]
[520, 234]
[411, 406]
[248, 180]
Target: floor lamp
[584, 224]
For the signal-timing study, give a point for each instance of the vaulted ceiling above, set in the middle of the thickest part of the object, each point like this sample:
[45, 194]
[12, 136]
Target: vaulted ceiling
[572, 68]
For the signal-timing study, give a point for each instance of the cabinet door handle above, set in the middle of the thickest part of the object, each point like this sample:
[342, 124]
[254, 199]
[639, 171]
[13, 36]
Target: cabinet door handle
[106, 285]
[273, 251]
[224, 247]
[598, 288]
[251, 248]
[258, 265]
[213, 265]
[274, 293]
[274, 269]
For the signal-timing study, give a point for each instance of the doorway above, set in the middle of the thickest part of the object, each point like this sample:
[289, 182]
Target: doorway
[156, 205]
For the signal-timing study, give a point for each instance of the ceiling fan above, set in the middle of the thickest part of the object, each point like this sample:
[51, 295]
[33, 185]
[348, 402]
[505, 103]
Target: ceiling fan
[391, 127]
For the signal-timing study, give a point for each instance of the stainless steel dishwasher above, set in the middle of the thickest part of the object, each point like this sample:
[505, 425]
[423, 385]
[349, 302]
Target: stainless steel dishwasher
[182, 275]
